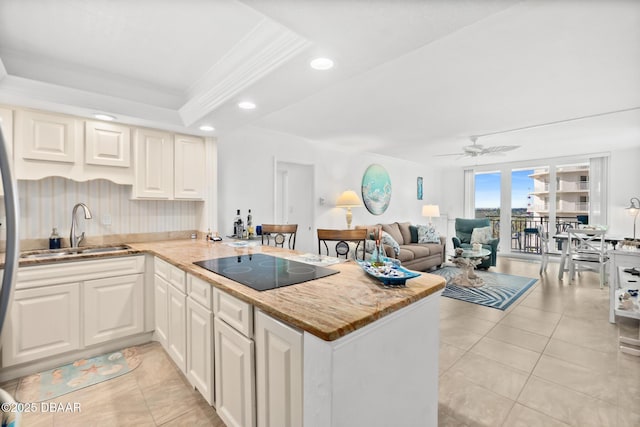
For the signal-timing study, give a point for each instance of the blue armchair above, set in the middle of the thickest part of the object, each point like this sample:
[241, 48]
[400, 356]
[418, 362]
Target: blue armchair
[464, 228]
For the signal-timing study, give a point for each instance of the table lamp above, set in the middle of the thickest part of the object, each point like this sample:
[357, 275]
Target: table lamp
[349, 199]
[634, 210]
[431, 211]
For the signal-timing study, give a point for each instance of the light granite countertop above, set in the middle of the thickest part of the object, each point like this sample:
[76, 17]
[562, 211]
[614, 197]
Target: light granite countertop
[329, 307]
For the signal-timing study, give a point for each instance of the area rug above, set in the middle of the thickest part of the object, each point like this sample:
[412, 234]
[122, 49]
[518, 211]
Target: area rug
[74, 376]
[499, 290]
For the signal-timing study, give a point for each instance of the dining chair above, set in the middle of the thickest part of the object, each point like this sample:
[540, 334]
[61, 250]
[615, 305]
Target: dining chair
[544, 248]
[342, 239]
[281, 233]
[587, 251]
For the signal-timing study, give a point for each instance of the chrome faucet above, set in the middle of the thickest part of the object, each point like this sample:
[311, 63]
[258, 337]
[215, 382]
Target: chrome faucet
[73, 239]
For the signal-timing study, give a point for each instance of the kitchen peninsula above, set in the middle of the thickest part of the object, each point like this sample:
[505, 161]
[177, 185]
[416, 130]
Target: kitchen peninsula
[339, 350]
[369, 354]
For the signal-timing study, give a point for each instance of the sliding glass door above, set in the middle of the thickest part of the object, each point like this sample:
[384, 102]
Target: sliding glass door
[554, 195]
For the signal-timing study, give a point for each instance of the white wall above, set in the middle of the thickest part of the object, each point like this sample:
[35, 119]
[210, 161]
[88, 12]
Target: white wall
[624, 183]
[246, 180]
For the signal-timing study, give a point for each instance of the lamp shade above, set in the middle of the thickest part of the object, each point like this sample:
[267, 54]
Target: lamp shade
[348, 199]
[431, 211]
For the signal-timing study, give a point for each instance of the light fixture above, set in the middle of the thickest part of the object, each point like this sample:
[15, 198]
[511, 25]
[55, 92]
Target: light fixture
[634, 210]
[321, 64]
[431, 211]
[349, 199]
[207, 128]
[101, 116]
[247, 105]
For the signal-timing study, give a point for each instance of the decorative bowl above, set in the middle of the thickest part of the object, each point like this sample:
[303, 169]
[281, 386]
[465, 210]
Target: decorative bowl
[389, 273]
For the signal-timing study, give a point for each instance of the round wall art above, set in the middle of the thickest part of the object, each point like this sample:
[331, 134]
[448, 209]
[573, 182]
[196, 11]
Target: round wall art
[376, 189]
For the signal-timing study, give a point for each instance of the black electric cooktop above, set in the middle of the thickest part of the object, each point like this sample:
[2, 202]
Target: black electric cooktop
[263, 272]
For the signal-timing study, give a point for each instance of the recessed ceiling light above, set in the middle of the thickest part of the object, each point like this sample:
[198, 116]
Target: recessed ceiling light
[321, 64]
[207, 128]
[247, 105]
[101, 116]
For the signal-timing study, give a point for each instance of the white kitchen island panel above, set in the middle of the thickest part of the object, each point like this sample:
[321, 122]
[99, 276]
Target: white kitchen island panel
[385, 374]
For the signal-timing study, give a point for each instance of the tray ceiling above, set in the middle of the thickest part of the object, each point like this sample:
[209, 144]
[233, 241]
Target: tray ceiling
[411, 78]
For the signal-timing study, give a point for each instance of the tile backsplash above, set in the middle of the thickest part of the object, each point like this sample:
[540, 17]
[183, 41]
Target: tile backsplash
[48, 203]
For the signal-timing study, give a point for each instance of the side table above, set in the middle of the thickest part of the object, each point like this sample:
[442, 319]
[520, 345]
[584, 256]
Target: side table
[467, 262]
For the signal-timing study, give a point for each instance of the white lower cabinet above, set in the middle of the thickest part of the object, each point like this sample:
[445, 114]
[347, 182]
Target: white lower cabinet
[200, 349]
[43, 322]
[113, 308]
[234, 376]
[176, 316]
[278, 372]
[68, 306]
[171, 311]
[161, 299]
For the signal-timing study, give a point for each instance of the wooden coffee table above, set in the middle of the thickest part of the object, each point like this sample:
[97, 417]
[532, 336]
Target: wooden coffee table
[467, 262]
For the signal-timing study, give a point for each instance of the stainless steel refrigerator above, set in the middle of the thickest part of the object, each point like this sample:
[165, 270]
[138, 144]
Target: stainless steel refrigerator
[8, 414]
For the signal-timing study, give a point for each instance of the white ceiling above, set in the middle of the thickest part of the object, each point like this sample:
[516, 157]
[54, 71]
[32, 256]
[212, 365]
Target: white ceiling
[412, 78]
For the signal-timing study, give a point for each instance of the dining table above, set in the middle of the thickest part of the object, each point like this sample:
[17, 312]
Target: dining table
[562, 238]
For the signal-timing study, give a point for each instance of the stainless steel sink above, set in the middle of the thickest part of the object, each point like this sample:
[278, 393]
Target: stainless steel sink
[103, 249]
[44, 255]
[54, 254]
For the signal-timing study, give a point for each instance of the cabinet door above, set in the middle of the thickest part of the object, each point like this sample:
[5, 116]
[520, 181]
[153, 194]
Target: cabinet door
[200, 349]
[189, 167]
[6, 124]
[234, 374]
[278, 373]
[153, 164]
[161, 309]
[107, 144]
[177, 339]
[113, 308]
[48, 137]
[43, 322]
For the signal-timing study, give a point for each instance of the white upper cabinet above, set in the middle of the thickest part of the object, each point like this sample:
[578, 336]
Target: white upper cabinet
[159, 165]
[189, 167]
[168, 166]
[107, 144]
[48, 137]
[153, 164]
[47, 144]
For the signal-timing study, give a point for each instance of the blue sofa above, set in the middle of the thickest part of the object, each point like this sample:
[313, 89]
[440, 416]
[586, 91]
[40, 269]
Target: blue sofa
[464, 228]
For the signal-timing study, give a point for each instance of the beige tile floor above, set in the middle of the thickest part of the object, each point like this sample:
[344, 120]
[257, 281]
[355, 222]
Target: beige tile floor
[551, 359]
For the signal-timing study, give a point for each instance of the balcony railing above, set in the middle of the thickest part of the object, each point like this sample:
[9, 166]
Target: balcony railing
[524, 230]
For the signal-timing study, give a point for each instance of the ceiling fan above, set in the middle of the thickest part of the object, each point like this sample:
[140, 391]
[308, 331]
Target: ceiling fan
[476, 150]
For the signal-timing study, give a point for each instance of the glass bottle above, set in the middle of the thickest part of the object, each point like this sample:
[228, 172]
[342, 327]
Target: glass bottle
[236, 225]
[54, 239]
[249, 224]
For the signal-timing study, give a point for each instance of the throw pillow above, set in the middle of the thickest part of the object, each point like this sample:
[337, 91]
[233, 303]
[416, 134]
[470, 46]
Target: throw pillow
[369, 246]
[355, 252]
[388, 240]
[481, 235]
[428, 234]
[414, 233]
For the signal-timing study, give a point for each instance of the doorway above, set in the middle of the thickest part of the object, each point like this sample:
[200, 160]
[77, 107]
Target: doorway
[294, 196]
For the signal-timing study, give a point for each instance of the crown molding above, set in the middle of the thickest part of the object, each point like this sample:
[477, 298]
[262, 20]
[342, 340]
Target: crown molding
[265, 48]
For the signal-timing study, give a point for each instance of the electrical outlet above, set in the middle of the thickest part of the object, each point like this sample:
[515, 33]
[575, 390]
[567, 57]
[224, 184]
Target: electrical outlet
[106, 219]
